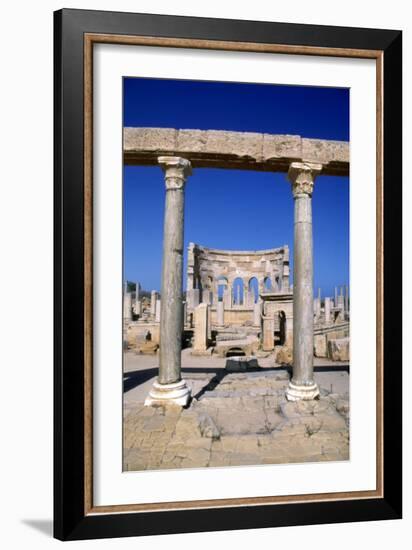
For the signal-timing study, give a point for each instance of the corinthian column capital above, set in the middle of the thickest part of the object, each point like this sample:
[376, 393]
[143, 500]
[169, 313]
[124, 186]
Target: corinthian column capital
[176, 170]
[302, 177]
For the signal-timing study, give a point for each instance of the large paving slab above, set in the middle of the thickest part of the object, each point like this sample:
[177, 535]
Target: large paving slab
[238, 419]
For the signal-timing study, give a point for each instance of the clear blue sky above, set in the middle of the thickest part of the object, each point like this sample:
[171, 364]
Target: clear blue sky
[234, 209]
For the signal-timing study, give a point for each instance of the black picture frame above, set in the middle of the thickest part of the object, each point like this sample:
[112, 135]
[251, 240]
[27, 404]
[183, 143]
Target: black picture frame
[71, 521]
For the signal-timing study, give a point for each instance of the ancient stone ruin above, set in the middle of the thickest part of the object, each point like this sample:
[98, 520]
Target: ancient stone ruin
[238, 303]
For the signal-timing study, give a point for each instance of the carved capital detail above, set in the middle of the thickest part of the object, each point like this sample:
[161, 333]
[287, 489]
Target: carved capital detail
[302, 177]
[176, 170]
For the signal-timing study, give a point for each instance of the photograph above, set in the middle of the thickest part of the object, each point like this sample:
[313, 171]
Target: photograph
[236, 274]
[227, 274]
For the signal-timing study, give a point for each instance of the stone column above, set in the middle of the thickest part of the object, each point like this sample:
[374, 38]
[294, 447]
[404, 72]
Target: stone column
[346, 299]
[201, 328]
[316, 308]
[302, 385]
[138, 308]
[289, 330]
[257, 314]
[158, 310]
[169, 386]
[138, 288]
[153, 298]
[193, 298]
[327, 311]
[340, 302]
[268, 333]
[127, 306]
[286, 270]
[245, 296]
[220, 310]
[227, 297]
[184, 322]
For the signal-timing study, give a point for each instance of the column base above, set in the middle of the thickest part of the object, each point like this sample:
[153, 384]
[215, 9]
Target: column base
[302, 392]
[177, 393]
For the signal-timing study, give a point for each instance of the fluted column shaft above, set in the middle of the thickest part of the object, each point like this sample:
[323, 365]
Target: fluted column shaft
[176, 170]
[302, 385]
[169, 386]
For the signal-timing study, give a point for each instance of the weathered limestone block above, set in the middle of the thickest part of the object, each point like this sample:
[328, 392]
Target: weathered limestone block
[158, 309]
[241, 364]
[138, 308]
[147, 347]
[311, 417]
[284, 356]
[278, 146]
[153, 298]
[319, 345]
[209, 147]
[139, 332]
[319, 150]
[192, 141]
[150, 139]
[257, 314]
[220, 313]
[193, 298]
[242, 144]
[316, 308]
[207, 426]
[338, 349]
[327, 310]
[297, 409]
[201, 328]
[268, 334]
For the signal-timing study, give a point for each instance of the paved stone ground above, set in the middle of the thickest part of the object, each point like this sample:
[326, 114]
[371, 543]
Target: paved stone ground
[234, 418]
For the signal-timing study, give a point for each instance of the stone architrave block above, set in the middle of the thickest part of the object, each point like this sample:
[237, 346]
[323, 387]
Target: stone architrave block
[201, 328]
[279, 146]
[319, 150]
[320, 346]
[192, 141]
[338, 349]
[241, 144]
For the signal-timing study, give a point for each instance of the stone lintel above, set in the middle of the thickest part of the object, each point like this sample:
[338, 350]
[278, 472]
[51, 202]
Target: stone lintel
[238, 150]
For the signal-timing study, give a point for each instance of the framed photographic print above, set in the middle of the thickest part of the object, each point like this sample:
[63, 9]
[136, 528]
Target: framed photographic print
[227, 274]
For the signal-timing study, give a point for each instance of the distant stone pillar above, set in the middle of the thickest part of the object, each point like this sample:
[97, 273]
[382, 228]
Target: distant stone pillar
[220, 308]
[257, 314]
[316, 308]
[268, 334]
[227, 297]
[302, 385]
[286, 270]
[138, 307]
[246, 296]
[201, 328]
[346, 299]
[207, 296]
[184, 322]
[327, 311]
[127, 305]
[158, 310]
[169, 386]
[193, 298]
[289, 330]
[153, 298]
[336, 296]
